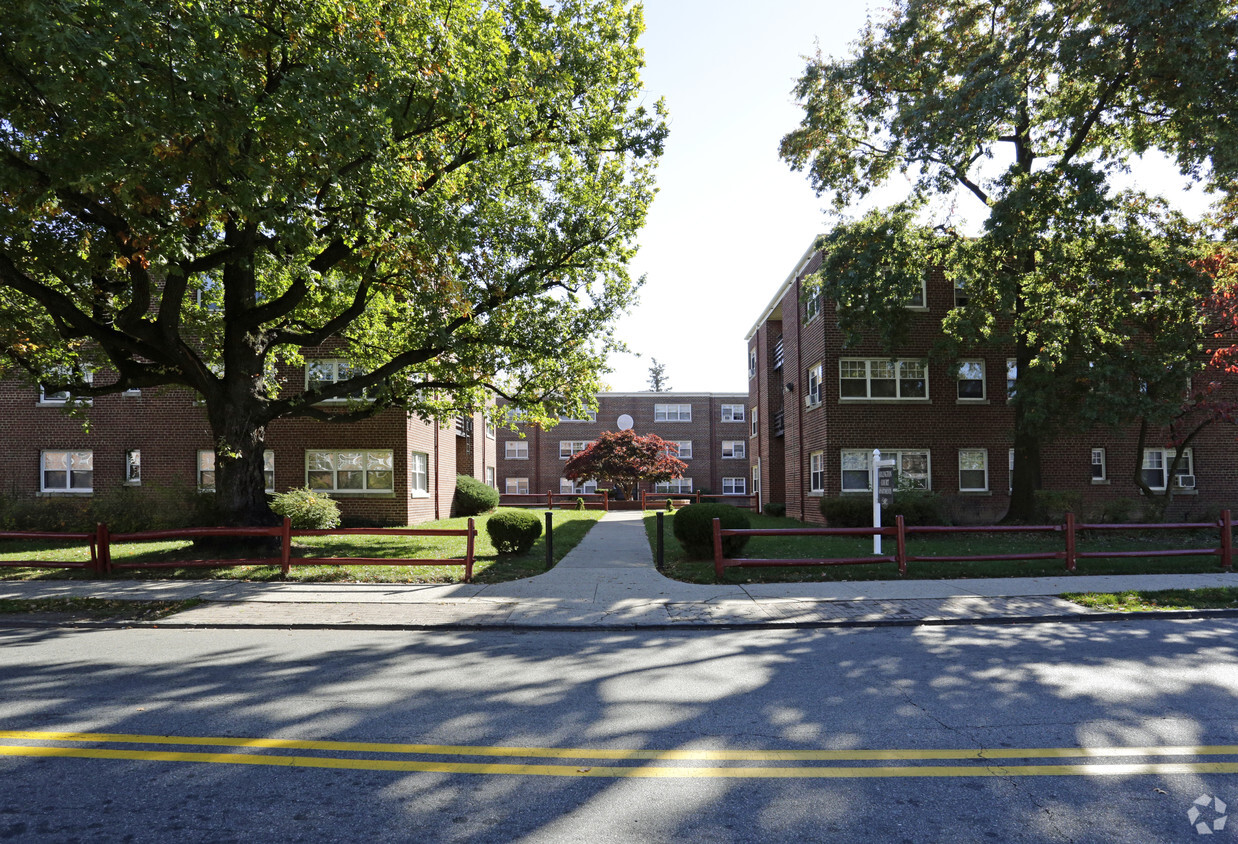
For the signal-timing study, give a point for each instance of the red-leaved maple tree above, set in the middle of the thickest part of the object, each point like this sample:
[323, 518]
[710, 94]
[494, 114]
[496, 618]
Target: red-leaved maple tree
[624, 458]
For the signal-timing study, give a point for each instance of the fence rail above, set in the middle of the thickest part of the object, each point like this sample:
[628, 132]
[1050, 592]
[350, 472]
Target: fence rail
[102, 540]
[593, 500]
[1070, 554]
[682, 499]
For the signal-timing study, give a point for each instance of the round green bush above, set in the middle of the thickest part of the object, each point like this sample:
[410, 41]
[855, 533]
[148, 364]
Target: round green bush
[694, 528]
[308, 510]
[775, 508]
[473, 497]
[513, 531]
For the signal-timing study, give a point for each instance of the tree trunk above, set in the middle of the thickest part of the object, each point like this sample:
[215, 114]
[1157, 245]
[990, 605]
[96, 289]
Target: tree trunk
[240, 482]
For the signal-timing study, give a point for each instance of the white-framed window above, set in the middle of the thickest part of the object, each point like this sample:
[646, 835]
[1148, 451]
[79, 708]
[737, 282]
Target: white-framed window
[971, 380]
[752, 362]
[349, 472]
[63, 397]
[756, 479]
[734, 486]
[516, 486]
[754, 421]
[1010, 470]
[323, 373]
[569, 487]
[570, 448]
[961, 294]
[1012, 377]
[490, 430]
[734, 449]
[911, 468]
[590, 416]
[732, 413]
[67, 471]
[678, 486]
[812, 305]
[814, 385]
[133, 467]
[206, 470]
[672, 413]
[1156, 464]
[418, 474]
[973, 470]
[816, 472]
[516, 450]
[682, 449]
[490, 477]
[919, 299]
[1099, 471]
[882, 379]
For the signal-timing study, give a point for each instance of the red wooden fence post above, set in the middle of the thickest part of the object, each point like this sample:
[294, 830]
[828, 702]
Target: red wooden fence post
[98, 566]
[718, 548]
[1070, 541]
[900, 543]
[468, 554]
[550, 500]
[104, 538]
[605, 501]
[285, 546]
[1227, 541]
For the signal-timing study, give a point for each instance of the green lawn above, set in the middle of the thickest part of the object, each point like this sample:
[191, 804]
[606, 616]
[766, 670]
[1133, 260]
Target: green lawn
[770, 547]
[488, 566]
[1213, 598]
[96, 609]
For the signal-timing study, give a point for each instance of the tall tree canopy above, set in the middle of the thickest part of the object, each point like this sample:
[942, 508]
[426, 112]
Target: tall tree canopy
[624, 458]
[446, 192]
[1029, 109]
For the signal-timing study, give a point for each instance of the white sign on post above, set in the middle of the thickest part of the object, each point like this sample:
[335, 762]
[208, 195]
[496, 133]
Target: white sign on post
[883, 492]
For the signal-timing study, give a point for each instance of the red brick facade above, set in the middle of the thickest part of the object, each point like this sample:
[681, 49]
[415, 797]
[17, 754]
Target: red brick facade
[533, 459]
[168, 429]
[957, 434]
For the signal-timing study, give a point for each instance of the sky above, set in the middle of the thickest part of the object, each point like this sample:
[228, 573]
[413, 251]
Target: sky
[731, 219]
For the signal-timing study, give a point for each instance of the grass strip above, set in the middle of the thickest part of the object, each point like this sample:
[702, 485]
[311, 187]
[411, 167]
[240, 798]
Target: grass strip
[1211, 598]
[96, 609]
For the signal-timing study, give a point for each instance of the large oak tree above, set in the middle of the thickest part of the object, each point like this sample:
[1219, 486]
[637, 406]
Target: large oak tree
[443, 192]
[1028, 110]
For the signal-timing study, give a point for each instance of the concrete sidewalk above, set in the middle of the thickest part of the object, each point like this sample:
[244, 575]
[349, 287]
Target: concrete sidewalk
[609, 582]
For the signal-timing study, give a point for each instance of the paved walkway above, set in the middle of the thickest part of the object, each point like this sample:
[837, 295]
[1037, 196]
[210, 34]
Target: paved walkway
[609, 581]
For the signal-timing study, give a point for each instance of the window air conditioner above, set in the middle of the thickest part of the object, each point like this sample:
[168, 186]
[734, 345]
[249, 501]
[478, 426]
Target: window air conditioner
[1185, 481]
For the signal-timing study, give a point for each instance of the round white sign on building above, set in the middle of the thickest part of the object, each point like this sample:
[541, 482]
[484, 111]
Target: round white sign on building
[625, 422]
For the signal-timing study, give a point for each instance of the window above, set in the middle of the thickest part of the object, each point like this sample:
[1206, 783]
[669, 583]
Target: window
[812, 305]
[490, 477]
[883, 379]
[1156, 463]
[61, 397]
[1098, 465]
[418, 474]
[590, 416]
[816, 472]
[67, 471]
[971, 380]
[919, 299]
[911, 469]
[678, 486]
[814, 385]
[734, 486]
[684, 447]
[672, 413]
[350, 471]
[754, 420]
[490, 430]
[206, 470]
[324, 373]
[732, 413]
[516, 450]
[1012, 375]
[973, 470]
[133, 467]
[570, 448]
[734, 449]
[517, 486]
[961, 295]
[569, 487]
[752, 362]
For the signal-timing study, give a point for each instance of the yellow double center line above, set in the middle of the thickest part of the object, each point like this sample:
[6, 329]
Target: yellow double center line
[792, 764]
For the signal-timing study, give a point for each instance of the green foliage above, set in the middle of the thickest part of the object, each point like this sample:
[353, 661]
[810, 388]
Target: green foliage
[513, 531]
[473, 497]
[308, 510]
[693, 527]
[776, 509]
[1052, 505]
[123, 509]
[847, 511]
[450, 189]
[580, 504]
[917, 507]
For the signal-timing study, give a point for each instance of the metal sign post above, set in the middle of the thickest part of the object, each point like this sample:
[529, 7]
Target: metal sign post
[883, 492]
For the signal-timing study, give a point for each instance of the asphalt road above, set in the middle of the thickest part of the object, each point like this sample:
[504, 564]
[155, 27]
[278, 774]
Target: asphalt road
[922, 734]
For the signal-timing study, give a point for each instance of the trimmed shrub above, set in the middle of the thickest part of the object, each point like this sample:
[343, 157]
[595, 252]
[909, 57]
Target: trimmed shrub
[1052, 505]
[308, 510]
[847, 511]
[916, 508]
[776, 509]
[694, 528]
[473, 497]
[513, 531]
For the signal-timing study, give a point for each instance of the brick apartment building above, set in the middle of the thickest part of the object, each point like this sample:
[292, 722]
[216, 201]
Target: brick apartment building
[392, 469]
[711, 430]
[818, 409]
